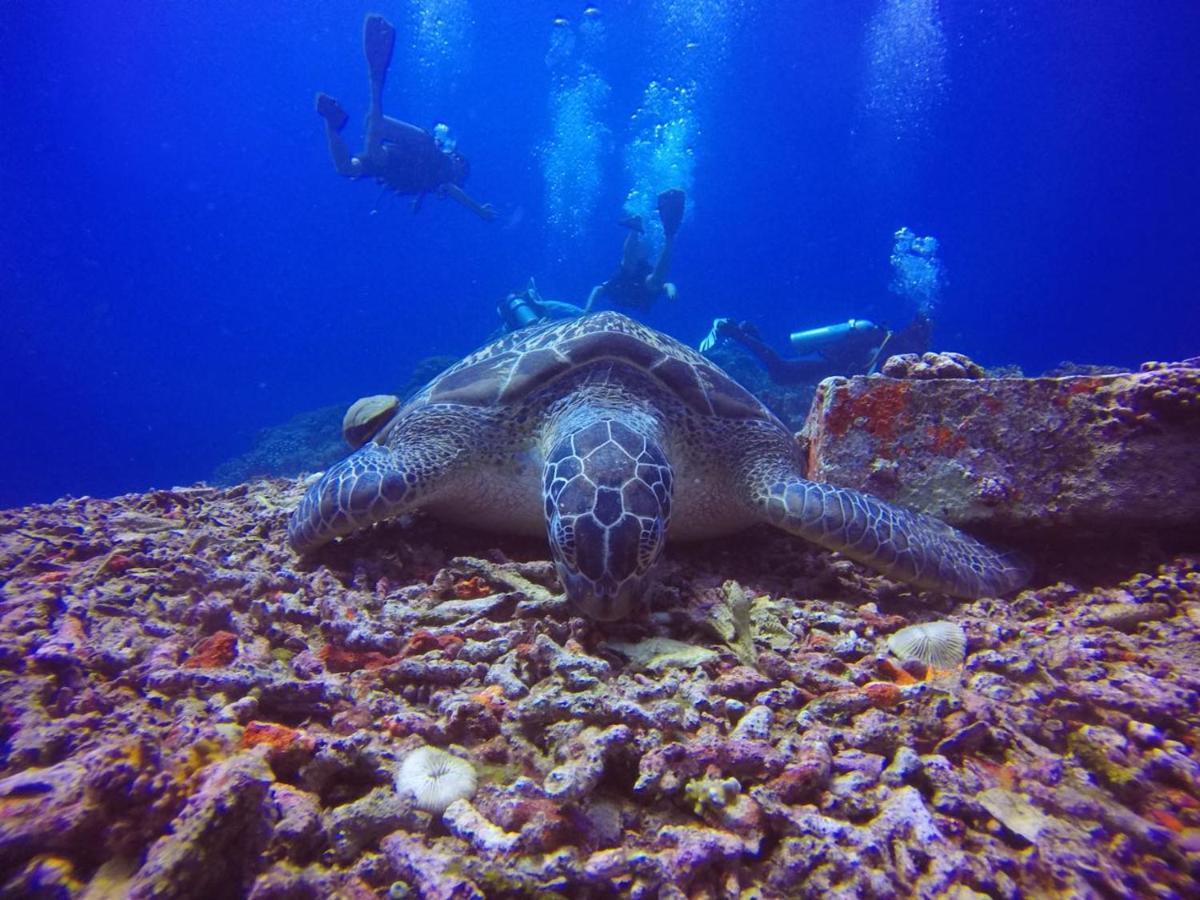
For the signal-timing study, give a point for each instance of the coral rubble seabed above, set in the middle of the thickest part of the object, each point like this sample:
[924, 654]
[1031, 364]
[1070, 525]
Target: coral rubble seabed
[187, 709]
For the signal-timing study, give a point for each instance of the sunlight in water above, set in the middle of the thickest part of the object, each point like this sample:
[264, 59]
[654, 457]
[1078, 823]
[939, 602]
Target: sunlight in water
[906, 65]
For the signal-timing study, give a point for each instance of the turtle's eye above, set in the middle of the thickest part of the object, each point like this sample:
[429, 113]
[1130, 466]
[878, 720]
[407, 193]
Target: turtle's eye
[562, 542]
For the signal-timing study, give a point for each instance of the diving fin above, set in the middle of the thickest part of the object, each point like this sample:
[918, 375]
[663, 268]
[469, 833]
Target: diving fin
[379, 39]
[331, 111]
[670, 210]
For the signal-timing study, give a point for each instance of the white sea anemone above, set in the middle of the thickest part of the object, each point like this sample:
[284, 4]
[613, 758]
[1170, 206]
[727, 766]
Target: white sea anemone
[435, 779]
[940, 645]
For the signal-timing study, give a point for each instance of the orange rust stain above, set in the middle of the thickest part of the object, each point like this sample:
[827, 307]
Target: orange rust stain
[278, 738]
[1073, 387]
[393, 726]
[339, 659]
[118, 563]
[944, 439]
[472, 588]
[1085, 385]
[879, 407]
[491, 698]
[1181, 799]
[886, 622]
[422, 641]
[51, 577]
[882, 693]
[888, 669]
[1166, 819]
[1125, 655]
[218, 649]
[817, 641]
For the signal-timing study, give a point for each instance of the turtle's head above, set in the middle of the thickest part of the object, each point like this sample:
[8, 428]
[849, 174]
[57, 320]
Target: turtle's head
[601, 602]
[607, 490]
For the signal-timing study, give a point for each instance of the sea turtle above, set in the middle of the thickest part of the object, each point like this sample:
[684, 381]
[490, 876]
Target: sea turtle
[607, 436]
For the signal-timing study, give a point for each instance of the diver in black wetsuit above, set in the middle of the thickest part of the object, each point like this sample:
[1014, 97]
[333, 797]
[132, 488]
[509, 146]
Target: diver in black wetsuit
[636, 285]
[528, 307]
[850, 348]
[400, 156]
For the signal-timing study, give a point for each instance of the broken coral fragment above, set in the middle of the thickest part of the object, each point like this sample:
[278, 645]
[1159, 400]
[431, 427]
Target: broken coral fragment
[434, 779]
[940, 645]
[659, 654]
[1014, 812]
[740, 618]
[711, 793]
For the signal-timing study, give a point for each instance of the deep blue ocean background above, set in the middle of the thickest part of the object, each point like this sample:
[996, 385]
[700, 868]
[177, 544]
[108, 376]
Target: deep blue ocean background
[180, 266]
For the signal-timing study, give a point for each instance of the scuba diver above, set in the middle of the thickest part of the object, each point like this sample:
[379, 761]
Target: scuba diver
[848, 348]
[636, 285]
[519, 310]
[402, 157]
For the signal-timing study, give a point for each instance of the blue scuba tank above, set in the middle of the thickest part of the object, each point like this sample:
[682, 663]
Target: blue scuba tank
[818, 338]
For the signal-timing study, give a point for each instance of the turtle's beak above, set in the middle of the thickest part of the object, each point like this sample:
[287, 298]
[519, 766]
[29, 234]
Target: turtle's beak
[601, 603]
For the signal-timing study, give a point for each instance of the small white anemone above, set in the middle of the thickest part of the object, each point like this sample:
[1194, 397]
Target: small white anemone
[940, 645]
[434, 779]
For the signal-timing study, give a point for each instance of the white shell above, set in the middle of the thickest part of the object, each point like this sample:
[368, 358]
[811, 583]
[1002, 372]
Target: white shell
[434, 779]
[940, 645]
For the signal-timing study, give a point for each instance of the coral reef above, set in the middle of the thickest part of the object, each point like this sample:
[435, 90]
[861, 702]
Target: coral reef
[187, 709]
[931, 365]
[316, 439]
[309, 440]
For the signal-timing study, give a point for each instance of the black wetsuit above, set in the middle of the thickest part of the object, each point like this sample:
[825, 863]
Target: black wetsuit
[414, 167]
[627, 288]
[853, 356]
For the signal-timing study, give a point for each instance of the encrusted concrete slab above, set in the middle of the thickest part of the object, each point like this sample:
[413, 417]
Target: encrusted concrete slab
[1089, 453]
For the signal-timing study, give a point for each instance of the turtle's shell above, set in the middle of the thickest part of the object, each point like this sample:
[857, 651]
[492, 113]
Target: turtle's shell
[508, 370]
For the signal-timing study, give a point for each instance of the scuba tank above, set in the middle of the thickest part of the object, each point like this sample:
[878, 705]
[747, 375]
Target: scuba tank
[816, 339]
[518, 312]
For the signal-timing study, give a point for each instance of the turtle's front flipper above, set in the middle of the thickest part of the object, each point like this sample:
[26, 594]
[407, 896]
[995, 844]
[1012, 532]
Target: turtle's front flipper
[607, 490]
[366, 487]
[901, 543]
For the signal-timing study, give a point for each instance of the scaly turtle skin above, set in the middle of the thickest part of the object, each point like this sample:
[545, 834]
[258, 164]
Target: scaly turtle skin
[606, 435]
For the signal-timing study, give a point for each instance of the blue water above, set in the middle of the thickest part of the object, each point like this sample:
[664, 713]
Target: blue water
[180, 265]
